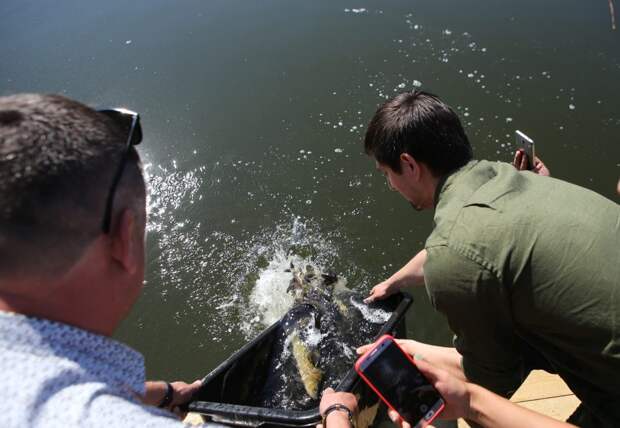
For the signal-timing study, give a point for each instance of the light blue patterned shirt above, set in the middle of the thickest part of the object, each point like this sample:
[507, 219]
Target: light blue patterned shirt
[54, 375]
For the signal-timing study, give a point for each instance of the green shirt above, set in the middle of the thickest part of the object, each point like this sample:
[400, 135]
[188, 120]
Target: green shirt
[516, 257]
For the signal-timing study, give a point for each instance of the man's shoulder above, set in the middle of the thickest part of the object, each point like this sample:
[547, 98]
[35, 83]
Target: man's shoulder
[475, 216]
[113, 410]
[56, 375]
[80, 404]
[468, 196]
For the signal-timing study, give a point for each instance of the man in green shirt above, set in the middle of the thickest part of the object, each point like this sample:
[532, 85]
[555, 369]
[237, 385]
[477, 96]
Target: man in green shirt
[526, 268]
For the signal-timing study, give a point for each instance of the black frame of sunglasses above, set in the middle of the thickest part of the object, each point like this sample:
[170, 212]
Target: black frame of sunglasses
[130, 122]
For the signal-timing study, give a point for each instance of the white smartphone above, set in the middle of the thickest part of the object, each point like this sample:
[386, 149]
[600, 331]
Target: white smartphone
[527, 144]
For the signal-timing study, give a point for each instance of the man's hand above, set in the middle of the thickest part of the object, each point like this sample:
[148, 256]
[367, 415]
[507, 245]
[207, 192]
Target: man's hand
[381, 291]
[442, 357]
[337, 418]
[398, 421]
[182, 393]
[412, 274]
[520, 162]
[452, 388]
[455, 393]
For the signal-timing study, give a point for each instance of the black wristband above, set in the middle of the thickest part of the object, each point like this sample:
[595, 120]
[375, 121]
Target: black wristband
[167, 400]
[337, 407]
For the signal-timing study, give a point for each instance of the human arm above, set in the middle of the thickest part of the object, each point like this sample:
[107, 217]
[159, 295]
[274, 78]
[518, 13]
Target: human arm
[337, 418]
[156, 391]
[520, 162]
[477, 404]
[412, 274]
[491, 410]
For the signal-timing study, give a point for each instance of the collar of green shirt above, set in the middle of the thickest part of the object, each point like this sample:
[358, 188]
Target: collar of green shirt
[448, 179]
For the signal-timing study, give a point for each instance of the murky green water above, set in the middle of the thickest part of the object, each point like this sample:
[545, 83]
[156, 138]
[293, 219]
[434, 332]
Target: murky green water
[253, 116]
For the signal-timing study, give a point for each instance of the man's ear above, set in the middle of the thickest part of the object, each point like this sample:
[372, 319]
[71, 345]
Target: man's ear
[409, 163]
[124, 238]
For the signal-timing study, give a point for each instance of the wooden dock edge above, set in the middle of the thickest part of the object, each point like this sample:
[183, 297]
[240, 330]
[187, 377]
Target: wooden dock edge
[544, 393]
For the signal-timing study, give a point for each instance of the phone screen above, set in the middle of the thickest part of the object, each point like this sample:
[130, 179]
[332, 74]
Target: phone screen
[400, 383]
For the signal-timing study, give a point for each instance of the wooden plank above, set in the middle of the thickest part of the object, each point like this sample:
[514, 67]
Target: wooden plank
[556, 407]
[193, 419]
[543, 393]
[540, 384]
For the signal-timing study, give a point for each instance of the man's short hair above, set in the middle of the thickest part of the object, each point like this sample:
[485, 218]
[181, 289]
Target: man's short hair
[420, 124]
[57, 161]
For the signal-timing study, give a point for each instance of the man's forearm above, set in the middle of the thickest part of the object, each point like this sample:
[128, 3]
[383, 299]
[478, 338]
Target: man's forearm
[155, 391]
[169, 395]
[412, 274]
[491, 410]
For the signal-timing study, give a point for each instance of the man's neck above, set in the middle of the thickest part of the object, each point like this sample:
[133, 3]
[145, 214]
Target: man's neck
[433, 184]
[79, 297]
[53, 312]
[438, 187]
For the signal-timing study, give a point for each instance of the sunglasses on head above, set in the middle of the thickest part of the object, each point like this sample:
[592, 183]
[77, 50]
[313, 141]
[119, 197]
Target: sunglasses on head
[129, 122]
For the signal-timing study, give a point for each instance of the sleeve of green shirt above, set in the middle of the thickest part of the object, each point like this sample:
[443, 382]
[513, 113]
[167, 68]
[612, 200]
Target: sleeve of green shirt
[478, 309]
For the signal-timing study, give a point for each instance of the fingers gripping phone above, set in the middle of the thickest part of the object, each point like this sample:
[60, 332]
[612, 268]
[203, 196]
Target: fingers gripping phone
[392, 374]
[527, 144]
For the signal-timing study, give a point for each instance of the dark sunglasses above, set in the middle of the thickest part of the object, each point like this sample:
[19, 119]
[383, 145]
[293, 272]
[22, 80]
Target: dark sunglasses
[129, 122]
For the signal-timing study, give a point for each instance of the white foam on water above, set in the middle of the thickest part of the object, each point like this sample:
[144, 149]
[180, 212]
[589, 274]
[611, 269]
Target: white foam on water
[286, 351]
[359, 10]
[348, 352]
[373, 315]
[313, 335]
[269, 294]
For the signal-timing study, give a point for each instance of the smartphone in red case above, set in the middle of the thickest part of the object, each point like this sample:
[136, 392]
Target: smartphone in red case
[392, 374]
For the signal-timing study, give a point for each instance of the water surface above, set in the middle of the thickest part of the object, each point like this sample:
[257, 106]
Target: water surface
[253, 116]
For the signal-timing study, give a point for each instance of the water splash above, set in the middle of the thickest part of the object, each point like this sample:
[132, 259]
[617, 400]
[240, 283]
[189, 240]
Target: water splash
[269, 295]
[233, 282]
[373, 315]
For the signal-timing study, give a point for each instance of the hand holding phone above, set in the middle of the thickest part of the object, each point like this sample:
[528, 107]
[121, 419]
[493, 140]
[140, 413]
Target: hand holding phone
[526, 144]
[392, 374]
[525, 157]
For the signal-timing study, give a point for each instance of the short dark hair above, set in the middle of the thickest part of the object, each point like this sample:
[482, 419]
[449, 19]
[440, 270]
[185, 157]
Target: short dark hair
[57, 159]
[420, 124]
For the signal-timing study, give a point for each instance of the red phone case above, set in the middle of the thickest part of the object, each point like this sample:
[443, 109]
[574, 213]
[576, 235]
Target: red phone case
[360, 360]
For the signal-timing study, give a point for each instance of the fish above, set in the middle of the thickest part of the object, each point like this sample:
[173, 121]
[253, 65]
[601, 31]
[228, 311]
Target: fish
[311, 375]
[342, 307]
[317, 338]
[293, 378]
